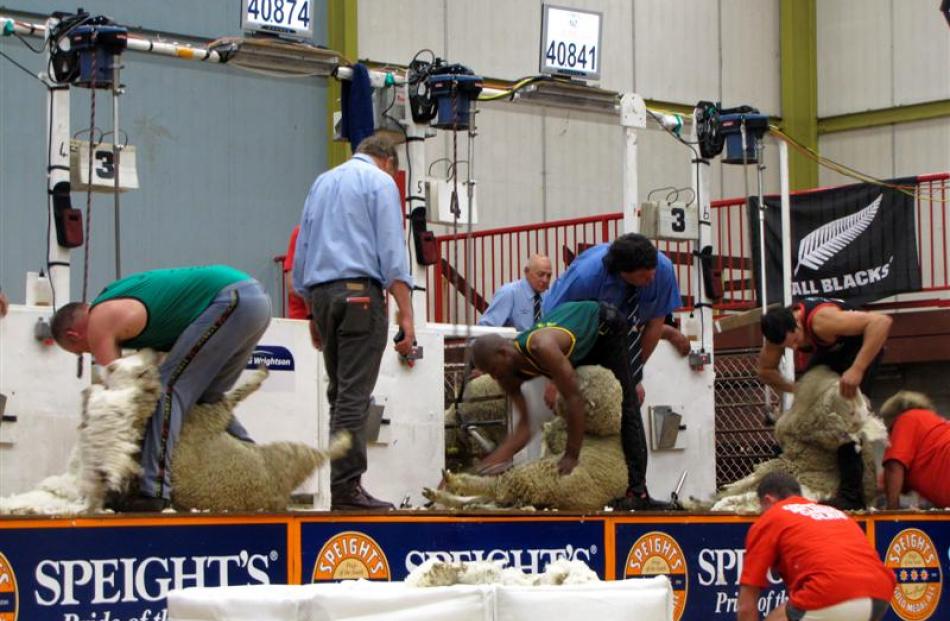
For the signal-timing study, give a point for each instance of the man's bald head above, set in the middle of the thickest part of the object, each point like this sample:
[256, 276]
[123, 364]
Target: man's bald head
[538, 272]
[494, 354]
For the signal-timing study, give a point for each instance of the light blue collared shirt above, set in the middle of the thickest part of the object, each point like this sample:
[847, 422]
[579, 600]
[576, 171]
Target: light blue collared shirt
[351, 228]
[513, 305]
[587, 279]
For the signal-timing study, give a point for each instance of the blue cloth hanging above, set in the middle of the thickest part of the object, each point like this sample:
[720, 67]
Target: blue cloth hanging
[357, 106]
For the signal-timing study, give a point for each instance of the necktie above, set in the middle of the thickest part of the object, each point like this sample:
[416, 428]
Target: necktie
[537, 307]
[633, 336]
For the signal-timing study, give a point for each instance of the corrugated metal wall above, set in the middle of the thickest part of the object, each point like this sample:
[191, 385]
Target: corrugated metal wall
[536, 165]
[876, 54]
[225, 157]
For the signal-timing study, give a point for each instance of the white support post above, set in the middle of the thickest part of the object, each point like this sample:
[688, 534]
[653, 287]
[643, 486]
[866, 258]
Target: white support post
[788, 360]
[703, 194]
[415, 197]
[57, 140]
[633, 116]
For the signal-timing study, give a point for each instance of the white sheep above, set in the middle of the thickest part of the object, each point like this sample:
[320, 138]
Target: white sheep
[819, 421]
[600, 475]
[211, 470]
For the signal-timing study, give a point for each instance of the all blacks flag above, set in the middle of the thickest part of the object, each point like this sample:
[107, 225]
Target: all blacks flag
[855, 242]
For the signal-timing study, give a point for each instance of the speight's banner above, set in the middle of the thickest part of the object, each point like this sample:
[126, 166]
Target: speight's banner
[855, 242]
[124, 573]
[333, 551]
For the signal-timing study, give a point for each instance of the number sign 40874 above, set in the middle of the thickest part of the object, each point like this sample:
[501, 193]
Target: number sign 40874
[290, 13]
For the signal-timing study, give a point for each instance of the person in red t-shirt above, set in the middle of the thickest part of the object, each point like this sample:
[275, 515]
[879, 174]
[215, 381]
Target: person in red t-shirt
[296, 307]
[918, 457]
[830, 569]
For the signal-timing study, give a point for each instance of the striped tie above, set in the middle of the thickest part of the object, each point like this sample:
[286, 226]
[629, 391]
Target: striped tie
[633, 337]
[537, 307]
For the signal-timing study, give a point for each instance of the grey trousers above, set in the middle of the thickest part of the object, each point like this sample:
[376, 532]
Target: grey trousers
[350, 317]
[203, 364]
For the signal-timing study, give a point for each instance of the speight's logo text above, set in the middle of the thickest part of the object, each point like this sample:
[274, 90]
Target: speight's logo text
[82, 582]
[658, 554]
[351, 555]
[9, 596]
[913, 558]
[722, 567]
[529, 560]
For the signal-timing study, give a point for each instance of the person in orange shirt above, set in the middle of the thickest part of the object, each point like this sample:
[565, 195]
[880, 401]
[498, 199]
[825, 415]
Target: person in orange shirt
[918, 457]
[296, 306]
[830, 570]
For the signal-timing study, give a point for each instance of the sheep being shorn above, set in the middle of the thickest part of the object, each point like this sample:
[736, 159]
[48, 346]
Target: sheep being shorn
[819, 421]
[211, 470]
[600, 475]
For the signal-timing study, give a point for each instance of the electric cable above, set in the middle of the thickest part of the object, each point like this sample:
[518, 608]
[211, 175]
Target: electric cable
[517, 86]
[848, 171]
[92, 123]
[22, 67]
[26, 43]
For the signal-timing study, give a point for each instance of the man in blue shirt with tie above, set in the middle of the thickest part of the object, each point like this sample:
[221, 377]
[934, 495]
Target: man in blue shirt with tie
[350, 252]
[518, 304]
[633, 276]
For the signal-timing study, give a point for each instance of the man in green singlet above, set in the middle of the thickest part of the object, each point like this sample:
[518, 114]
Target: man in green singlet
[573, 334]
[207, 319]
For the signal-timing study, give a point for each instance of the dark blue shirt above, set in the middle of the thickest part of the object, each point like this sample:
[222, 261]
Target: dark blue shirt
[587, 279]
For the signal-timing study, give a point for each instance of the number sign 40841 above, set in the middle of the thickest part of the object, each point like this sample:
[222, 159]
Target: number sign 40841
[570, 55]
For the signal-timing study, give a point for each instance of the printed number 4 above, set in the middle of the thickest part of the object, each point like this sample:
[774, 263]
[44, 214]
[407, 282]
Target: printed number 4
[679, 225]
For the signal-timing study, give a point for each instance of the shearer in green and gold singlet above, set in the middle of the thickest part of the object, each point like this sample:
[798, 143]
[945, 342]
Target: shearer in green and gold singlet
[208, 320]
[572, 335]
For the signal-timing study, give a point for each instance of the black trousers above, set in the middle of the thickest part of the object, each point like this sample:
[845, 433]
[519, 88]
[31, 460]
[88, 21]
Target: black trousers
[350, 316]
[610, 352]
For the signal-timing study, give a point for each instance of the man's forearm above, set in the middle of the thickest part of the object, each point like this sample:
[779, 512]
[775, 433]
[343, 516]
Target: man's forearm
[400, 292]
[775, 379]
[748, 604]
[651, 336]
[875, 335]
[575, 425]
[893, 483]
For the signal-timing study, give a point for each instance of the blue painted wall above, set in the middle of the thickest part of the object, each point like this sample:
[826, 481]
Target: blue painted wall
[225, 157]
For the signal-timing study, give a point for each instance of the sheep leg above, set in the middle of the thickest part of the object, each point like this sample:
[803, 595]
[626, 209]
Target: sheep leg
[469, 484]
[449, 500]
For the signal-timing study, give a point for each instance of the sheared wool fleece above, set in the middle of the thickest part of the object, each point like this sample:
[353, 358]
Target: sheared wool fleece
[810, 433]
[435, 573]
[600, 475]
[211, 470]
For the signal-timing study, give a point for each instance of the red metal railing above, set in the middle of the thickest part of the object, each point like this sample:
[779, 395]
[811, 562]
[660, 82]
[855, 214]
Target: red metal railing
[478, 264]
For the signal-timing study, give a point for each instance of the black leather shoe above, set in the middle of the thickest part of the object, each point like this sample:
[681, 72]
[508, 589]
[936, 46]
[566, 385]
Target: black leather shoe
[357, 499]
[641, 502]
[844, 502]
[137, 504]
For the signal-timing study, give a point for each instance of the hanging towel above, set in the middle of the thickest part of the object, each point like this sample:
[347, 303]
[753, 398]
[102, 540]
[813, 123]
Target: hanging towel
[357, 106]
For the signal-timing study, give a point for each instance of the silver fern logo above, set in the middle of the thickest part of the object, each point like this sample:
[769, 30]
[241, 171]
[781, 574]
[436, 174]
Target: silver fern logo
[829, 239]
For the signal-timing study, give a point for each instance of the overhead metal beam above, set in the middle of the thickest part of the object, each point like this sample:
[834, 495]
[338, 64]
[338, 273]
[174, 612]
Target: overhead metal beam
[885, 116]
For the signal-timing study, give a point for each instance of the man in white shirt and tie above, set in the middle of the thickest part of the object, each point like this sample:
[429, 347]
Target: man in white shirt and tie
[518, 303]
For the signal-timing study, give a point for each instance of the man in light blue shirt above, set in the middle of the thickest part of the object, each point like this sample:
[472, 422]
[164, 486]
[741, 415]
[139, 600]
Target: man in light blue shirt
[633, 276]
[350, 252]
[518, 304]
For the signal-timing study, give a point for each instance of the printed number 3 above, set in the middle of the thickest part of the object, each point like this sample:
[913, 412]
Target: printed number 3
[106, 168]
[679, 225]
